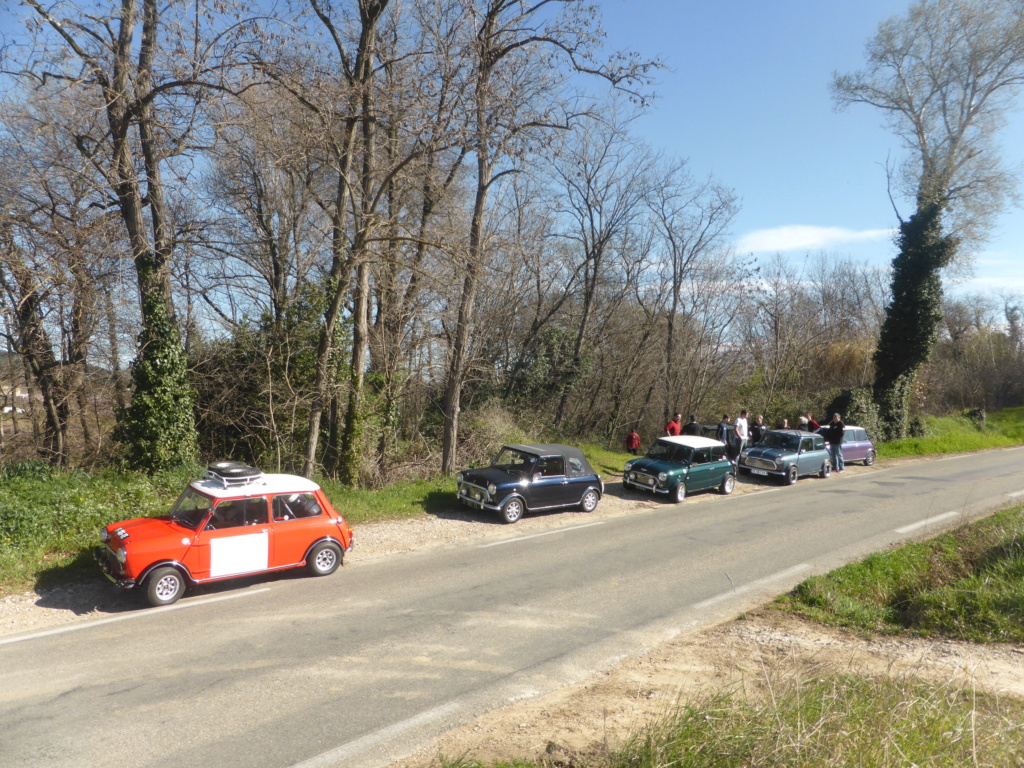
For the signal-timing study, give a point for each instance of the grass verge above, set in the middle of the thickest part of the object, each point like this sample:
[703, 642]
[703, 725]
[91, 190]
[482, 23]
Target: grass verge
[967, 584]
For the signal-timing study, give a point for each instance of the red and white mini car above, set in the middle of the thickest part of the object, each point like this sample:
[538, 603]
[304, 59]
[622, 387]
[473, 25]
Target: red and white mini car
[236, 521]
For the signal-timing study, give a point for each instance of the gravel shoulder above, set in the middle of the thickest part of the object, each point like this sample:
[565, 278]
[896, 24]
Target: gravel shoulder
[743, 655]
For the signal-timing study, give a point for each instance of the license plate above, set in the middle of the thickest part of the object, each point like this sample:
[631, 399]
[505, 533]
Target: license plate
[758, 472]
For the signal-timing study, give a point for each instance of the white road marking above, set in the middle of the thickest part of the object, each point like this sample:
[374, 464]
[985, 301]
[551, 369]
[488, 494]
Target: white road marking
[127, 616]
[336, 756]
[927, 521]
[754, 585]
[537, 535]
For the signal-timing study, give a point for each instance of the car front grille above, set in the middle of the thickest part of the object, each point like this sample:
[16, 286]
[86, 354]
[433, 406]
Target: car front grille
[760, 463]
[644, 479]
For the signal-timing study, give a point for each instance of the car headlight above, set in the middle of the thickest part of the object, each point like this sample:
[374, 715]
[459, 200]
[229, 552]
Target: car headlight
[492, 488]
[121, 555]
[629, 466]
[662, 477]
[104, 535]
[458, 478]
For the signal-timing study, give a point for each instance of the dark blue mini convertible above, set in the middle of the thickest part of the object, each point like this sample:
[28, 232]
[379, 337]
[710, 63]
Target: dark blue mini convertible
[527, 478]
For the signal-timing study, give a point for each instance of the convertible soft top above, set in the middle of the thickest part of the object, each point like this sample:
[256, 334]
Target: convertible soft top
[573, 456]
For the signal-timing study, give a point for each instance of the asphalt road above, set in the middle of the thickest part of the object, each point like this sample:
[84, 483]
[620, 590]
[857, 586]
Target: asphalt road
[360, 668]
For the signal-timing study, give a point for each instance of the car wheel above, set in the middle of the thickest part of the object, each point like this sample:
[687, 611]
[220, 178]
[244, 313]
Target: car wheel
[589, 501]
[323, 559]
[679, 494]
[512, 510]
[164, 586]
[727, 486]
[826, 469]
[869, 459]
[792, 475]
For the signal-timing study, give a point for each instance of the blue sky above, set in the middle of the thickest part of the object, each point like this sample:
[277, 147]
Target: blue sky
[746, 99]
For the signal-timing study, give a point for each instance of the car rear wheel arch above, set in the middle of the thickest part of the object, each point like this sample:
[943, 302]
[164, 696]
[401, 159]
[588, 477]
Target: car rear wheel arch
[590, 499]
[325, 557]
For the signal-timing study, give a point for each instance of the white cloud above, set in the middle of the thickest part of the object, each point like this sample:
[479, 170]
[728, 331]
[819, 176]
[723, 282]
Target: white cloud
[805, 238]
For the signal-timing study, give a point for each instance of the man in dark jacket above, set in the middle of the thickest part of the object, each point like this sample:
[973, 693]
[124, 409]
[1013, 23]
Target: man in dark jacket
[693, 428]
[836, 430]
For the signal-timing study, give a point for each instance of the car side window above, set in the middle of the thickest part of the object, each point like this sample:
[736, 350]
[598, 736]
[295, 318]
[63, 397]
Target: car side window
[235, 513]
[717, 452]
[551, 466]
[576, 467]
[819, 443]
[806, 444]
[296, 506]
[701, 456]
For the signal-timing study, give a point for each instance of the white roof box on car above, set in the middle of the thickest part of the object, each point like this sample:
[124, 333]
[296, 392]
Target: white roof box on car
[232, 473]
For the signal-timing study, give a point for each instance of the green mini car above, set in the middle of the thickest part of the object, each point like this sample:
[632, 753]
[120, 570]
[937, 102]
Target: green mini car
[677, 466]
[787, 454]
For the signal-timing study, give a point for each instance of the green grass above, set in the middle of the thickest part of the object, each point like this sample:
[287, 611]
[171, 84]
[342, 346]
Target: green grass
[821, 722]
[843, 720]
[957, 434]
[966, 584]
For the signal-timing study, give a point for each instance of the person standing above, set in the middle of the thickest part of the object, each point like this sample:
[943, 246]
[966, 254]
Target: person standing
[675, 427]
[812, 425]
[784, 424]
[742, 430]
[693, 427]
[802, 424]
[633, 443]
[836, 430]
[757, 429]
[722, 433]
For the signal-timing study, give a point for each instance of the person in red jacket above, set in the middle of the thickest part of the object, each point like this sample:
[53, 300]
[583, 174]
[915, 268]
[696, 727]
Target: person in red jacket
[633, 443]
[675, 427]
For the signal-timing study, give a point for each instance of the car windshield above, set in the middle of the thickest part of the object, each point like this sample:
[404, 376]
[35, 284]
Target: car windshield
[191, 508]
[512, 460]
[777, 440]
[670, 452]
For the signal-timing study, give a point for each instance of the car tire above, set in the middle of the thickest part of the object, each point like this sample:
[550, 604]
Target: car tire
[589, 501]
[512, 510]
[826, 469]
[164, 586]
[792, 475]
[679, 494]
[727, 486]
[323, 559]
[869, 459]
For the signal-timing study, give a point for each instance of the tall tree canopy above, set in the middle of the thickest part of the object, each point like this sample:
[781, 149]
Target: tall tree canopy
[944, 75]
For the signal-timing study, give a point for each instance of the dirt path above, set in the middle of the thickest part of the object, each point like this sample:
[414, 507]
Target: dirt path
[609, 706]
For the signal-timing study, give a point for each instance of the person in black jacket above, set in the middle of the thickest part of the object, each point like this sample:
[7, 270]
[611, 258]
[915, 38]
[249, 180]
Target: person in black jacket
[757, 429]
[836, 430]
[694, 427]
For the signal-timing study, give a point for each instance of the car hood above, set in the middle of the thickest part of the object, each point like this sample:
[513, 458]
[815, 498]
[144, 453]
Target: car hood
[761, 452]
[494, 475]
[654, 466]
[144, 530]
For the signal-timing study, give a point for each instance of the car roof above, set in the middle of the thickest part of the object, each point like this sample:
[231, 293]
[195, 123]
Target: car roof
[261, 486]
[690, 441]
[546, 449]
[554, 449]
[797, 432]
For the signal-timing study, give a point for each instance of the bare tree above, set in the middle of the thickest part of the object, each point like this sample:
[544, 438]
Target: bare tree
[944, 76]
[520, 56]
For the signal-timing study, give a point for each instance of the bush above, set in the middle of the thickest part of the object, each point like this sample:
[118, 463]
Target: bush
[857, 406]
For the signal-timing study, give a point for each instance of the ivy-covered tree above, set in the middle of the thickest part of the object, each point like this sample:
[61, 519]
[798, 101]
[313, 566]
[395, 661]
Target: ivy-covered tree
[944, 75]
